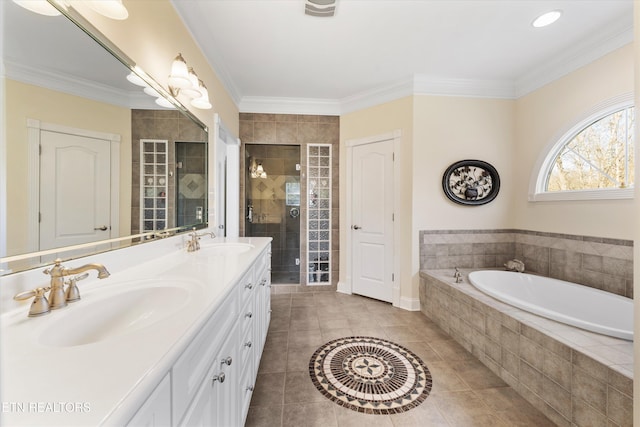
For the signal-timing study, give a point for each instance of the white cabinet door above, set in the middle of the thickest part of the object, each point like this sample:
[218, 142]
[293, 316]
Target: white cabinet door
[156, 411]
[215, 403]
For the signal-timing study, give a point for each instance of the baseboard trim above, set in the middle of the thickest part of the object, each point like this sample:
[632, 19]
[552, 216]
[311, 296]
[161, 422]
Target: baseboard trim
[410, 304]
[344, 288]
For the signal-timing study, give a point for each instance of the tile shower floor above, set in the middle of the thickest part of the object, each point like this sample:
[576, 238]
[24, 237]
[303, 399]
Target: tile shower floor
[465, 393]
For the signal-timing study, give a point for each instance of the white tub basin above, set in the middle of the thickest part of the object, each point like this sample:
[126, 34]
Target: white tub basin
[118, 313]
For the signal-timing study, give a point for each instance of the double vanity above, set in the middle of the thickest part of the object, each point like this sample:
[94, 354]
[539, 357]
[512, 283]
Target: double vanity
[172, 337]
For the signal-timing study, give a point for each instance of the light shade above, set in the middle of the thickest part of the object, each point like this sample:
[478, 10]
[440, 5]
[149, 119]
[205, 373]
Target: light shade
[113, 9]
[179, 77]
[192, 91]
[42, 7]
[547, 18]
[202, 102]
[163, 102]
[136, 79]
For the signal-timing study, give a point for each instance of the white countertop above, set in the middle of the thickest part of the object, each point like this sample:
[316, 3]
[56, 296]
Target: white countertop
[105, 381]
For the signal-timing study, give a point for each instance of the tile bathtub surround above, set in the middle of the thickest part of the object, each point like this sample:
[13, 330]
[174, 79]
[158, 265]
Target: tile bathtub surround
[600, 263]
[464, 393]
[574, 377]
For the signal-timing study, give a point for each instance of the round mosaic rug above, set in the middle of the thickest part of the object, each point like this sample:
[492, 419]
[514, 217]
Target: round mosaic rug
[370, 375]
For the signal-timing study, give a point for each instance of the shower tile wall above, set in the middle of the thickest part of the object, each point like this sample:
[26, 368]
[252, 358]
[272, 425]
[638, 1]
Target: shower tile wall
[171, 125]
[275, 203]
[600, 263]
[293, 129]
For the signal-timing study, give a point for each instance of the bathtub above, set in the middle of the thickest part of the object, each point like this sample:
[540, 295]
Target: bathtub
[566, 302]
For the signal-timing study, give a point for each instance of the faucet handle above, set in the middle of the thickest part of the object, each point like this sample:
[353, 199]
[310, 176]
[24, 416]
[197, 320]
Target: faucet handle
[72, 293]
[56, 264]
[40, 304]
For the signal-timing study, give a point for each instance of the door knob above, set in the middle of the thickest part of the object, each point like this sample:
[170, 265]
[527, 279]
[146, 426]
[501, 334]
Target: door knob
[103, 228]
[356, 227]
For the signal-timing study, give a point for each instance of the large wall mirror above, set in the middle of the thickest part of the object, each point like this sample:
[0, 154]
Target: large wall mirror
[90, 156]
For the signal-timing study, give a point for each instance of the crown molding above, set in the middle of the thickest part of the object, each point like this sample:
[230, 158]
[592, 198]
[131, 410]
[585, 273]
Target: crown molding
[218, 68]
[283, 105]
[589, 50]
[78, 87]
[429, 85]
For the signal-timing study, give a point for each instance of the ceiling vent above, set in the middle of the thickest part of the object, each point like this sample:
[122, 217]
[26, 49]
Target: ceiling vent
[322, 8]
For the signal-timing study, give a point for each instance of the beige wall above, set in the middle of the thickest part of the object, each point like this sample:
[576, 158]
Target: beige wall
[33, 102]
[152, 36]
[540, 115]
[378, 120]
[510, 135]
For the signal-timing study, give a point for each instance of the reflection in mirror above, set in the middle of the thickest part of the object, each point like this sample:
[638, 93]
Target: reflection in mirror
[68, 98]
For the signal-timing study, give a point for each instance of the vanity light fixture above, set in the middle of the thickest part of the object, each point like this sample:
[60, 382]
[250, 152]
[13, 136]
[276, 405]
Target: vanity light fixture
[113, 9]
[257, 171]
[184, 80]
[41, 7]
[136, 79]
[547, 18]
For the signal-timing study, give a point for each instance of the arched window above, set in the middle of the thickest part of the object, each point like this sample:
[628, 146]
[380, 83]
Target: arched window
[594, 159]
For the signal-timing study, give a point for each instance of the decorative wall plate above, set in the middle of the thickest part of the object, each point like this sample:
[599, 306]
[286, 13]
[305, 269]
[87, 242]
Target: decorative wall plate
[471, 182]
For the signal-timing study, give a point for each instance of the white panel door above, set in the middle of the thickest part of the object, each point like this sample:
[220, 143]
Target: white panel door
[372, 215]
[75, 195]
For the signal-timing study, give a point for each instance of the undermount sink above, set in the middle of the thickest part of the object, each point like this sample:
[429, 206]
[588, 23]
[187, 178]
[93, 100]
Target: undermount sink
[227, 248]
[88, 322]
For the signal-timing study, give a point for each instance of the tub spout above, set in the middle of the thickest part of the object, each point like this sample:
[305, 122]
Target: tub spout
[515, 265]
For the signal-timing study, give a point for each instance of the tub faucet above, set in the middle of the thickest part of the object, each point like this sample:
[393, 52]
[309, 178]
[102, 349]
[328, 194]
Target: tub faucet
[515, 265]
[457, 276]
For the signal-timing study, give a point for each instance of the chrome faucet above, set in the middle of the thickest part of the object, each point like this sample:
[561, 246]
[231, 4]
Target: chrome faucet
[515, 265]
[194, 244]
[457, 275]
[58, 297]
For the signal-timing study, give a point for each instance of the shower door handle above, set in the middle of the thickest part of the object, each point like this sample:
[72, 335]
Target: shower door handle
[356, 227]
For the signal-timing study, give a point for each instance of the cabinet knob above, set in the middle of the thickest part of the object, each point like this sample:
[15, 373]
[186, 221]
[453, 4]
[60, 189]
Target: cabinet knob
[249, 315]
[249, 286]
[248, 344]
[263, 282]
[226, 361]
[220, 377]
[249, 388]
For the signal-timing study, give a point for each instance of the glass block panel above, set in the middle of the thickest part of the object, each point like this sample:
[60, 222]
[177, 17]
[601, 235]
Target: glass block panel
[153, 191]
[319, 213]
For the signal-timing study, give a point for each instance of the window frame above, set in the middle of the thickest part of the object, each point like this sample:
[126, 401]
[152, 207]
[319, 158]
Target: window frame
[546, 160]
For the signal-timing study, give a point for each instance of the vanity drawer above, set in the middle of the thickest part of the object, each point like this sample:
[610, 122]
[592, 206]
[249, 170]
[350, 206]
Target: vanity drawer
[191, 368]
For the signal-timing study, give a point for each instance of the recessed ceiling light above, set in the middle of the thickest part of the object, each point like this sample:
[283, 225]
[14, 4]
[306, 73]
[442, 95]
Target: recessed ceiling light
[547, 18]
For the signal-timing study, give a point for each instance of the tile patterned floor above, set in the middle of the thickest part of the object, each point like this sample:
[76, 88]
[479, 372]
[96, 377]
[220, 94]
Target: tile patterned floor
[464, 394]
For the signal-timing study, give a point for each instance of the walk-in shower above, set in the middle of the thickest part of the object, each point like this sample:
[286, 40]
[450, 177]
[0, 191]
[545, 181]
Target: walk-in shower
[272, 194]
